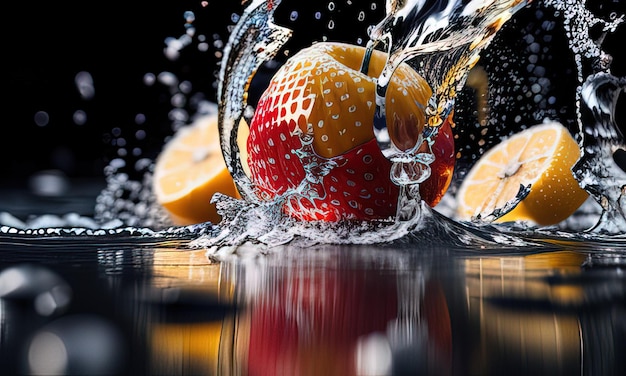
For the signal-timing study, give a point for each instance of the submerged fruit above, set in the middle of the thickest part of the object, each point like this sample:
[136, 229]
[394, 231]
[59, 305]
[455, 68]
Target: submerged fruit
[191, 169]
[542, 156]
[312, 136]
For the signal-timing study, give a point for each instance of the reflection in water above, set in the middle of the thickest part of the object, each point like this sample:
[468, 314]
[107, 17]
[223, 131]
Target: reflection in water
[308, 318]
[387, 312]
[193, 297]
[523, 320]
[333, 310]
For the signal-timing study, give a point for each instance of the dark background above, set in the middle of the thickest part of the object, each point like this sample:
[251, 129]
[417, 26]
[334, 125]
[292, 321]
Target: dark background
[46, 44]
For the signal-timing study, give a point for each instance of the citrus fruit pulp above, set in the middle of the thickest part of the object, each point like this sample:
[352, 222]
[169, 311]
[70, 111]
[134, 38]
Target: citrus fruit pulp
[191, 169]
[541, 156]
[320, 98]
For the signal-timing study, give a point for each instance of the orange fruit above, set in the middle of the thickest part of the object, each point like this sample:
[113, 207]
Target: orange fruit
[543, 156]
[319, 97]
[191, 169]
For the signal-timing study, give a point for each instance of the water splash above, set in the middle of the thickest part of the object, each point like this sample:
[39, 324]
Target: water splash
[248, 221]
[255, 40]
[446, 37]
[265, 228]
[265, 222]
[442, 40]
[601, 170]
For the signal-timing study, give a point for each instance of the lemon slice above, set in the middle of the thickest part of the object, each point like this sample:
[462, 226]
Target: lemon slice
[541, 157]
[191, 169]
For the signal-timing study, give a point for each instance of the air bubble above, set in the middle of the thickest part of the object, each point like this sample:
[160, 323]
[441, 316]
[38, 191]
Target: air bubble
[79, 117]
[149, 79]
[140, 134]
[535, 88]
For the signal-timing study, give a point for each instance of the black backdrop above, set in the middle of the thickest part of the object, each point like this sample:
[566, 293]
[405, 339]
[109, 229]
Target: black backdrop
[46, 44]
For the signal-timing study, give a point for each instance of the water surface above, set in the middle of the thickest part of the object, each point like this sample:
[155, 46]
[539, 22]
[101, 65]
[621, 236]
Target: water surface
[158, 307]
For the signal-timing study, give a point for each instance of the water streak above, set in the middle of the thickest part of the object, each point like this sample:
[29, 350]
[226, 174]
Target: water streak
[255, 40]
[600, 170]
[443, 41]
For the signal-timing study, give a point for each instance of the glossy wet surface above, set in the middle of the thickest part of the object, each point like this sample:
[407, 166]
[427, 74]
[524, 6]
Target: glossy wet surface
[128, 305]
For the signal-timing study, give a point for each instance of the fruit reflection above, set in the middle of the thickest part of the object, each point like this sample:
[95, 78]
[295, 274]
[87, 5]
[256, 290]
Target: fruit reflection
[344, 319]
[192, 296]
[308, 322]
[525, 323]
[345, 314]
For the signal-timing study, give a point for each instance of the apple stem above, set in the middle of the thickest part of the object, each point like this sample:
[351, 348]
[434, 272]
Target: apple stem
[365, 64]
